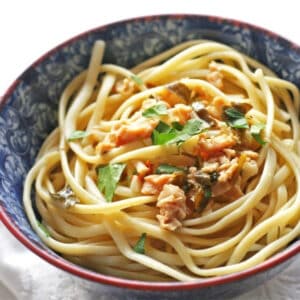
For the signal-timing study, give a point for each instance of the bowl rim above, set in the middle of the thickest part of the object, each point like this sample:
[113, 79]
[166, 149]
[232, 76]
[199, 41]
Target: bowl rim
[87, 274]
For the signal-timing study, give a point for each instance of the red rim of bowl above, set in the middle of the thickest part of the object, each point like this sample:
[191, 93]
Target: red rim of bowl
[133, 284]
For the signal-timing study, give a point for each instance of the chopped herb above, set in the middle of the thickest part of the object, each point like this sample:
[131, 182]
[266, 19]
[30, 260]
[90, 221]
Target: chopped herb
[168, 169]
[108, 177]
[77, 134]
[235, 118]
[177, 125]
[43, 228]
[156, 110]
[137, 80]
[255, 131]
[194, 126]
[140, 245]
[164, 134]
[161, 138]
[207, 192]
[205, 199]
[191, 127]
[163, 127]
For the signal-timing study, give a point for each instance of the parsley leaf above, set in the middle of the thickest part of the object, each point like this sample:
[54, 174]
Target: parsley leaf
[177, 126]
[255, 131]
[44, 229]
[193, 127]
[77, 134]
[235, 118]
[140, 245]
[164, 134]
[207, 192]
[108, 177]
[156, 110]
[137, 80]
[206, 196]
[167, 169]
[162, 138]
[163, 127]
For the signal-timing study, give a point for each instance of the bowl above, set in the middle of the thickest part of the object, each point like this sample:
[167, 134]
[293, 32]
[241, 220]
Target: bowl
[28, 114]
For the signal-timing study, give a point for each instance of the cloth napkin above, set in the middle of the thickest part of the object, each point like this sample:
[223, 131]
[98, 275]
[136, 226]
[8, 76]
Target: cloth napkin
[25, 276]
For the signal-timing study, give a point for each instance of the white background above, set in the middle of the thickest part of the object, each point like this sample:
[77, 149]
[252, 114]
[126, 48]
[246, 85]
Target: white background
[30, 28]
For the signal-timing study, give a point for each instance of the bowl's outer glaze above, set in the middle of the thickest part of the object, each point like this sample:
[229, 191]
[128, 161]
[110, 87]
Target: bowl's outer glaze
[28, 114]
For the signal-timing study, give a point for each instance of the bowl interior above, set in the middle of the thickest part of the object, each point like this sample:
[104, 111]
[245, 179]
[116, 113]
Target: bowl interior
[28, 109]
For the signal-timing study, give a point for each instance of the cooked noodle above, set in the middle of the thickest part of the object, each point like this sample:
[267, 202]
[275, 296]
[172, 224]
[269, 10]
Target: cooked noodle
[186, 166]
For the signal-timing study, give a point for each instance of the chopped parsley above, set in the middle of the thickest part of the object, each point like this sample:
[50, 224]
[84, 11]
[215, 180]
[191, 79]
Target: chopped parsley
[137, 80]
[177, 126]
[207, 192]
[77, 134]
[156, 110]
[165, 134]
[206, 196]
[44, 229]
[255, 131]
[108, 178]
[168, 169]
[235, 118]
[140, 245]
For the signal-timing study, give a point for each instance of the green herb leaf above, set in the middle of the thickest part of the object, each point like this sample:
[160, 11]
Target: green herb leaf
[108, 177]
[207, 195]
[235, 118]
[164, 134]
[255, 131]
[177, 126]
[77, 134]
[168, 169]
[156, 110]
[140, 245]
[44, 229]
[193, 126]
[163, 127]
[207, 192]
[162, 138]
[137, 80]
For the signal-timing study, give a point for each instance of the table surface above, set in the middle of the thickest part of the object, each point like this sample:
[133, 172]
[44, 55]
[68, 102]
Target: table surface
[30, 28]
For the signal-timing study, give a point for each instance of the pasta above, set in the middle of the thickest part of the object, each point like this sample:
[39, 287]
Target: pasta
[185, 167]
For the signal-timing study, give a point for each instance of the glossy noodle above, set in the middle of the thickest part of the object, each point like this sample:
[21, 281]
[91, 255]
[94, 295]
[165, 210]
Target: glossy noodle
[184, 167]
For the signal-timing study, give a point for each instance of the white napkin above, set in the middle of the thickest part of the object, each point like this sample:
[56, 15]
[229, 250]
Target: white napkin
[25, 276]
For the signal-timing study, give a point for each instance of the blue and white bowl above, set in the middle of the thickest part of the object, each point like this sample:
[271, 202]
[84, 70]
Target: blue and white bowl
[28, 112]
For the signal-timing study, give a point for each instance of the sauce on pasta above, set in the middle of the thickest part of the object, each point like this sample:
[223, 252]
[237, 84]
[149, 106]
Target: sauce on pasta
[186, 166]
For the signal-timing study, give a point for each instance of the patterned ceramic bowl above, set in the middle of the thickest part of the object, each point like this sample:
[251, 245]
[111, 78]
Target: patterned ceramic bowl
[28, 113]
